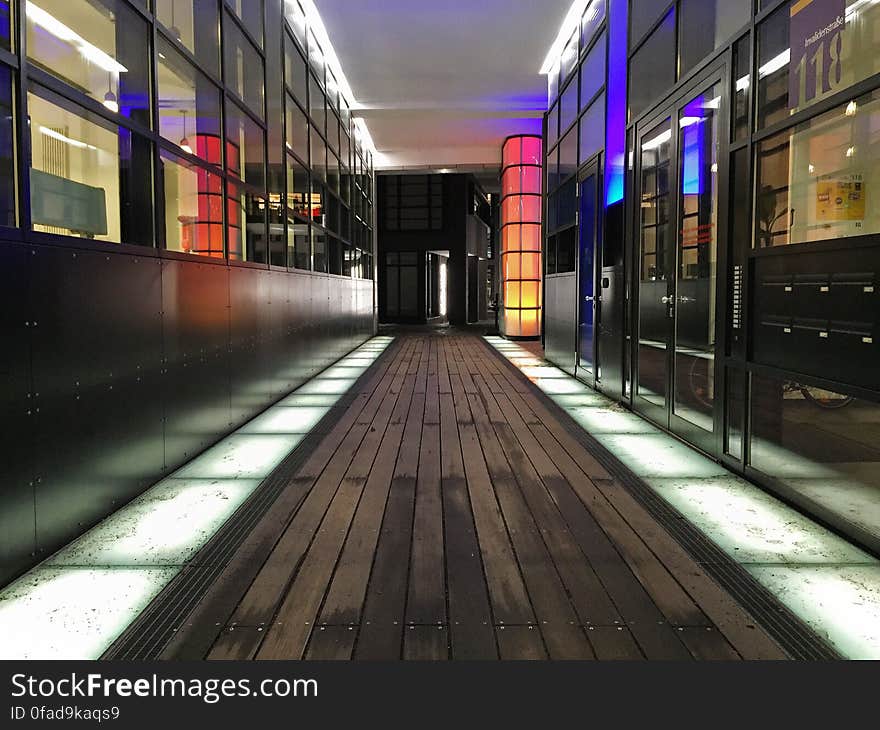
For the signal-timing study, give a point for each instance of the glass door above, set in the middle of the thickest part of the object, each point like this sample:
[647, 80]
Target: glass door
[655, 240]
[696, 267]
[588, 308]
[677, 229]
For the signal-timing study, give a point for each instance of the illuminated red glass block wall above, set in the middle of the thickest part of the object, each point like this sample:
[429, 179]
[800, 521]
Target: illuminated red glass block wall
[521, 237]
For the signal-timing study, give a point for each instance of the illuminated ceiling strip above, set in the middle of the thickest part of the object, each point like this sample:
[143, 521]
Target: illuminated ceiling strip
[316, 26]
[54, 26]
[572, 21]
[67, 140]
[77, 602]
[830, 584]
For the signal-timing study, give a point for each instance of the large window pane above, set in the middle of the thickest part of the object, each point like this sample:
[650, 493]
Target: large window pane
[795, 71]
[297, 189]
[591, 20]
[193, 207]
[742, 76]
[813, 180]
[244, 68]
[81, 168]
[319, 251]
[296, 17]
[716, 21]
[821, 444]
[98, 47]
[250, 12]
[245, 147]
[5, 37]
[245, 224]
[318, 155]
[196, 24]
[592, 129]
[317, 105]
[642, 15]
[296, 72]
[568, 108]
[189, 106]
[297, 131]
[593, 72]
[299, 248]
[568, 156]
[8, 215]
[652, 67]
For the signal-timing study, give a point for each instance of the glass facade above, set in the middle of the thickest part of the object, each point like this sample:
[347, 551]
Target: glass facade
[755, 135]
[152, 124]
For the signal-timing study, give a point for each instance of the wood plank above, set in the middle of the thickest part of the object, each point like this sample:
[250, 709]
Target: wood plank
[613, 643]
[517, 643]
[348, 586]
[331, 643]
[288, 637]
[470, 615]
[707, 643]
[192, 640]
[426, 643]
[555, 614]
[381, 633]
[426, 603]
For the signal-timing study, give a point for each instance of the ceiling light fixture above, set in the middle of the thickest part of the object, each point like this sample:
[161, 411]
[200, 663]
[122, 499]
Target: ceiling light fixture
[67, 140]
[110, 100]
[54, 26]
[316, 26]
[569, 25]
[184, 143]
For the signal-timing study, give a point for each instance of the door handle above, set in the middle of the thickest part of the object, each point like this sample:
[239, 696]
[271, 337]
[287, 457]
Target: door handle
[666, 300]
[589, 299]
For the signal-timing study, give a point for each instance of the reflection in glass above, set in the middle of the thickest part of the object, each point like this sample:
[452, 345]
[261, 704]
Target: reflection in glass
[243, 68]
[196, 24]
[8, 215]
[193, 207]
[81, 168]
[652, 67]
[245, 147]
[697, 265]
[844, 55]
[813, 180]
[250, 12]
[98, 47]
[245, 224]
[655, 236]
[820, 443]
[189, 106]
[299, 247]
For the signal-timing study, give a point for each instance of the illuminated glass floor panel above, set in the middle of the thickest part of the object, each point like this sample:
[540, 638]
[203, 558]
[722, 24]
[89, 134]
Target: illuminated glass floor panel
[830, 584]
[78, 601]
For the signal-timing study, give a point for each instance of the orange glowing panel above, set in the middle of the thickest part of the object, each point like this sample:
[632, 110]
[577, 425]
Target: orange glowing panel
[521, 209]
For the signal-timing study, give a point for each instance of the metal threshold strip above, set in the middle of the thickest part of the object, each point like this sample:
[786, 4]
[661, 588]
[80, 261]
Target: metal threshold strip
[787, 570]
[78, 602]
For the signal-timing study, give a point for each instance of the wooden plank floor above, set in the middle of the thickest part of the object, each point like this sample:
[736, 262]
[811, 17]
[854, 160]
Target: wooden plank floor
[450, 515]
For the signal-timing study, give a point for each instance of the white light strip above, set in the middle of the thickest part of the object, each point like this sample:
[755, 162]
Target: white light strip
[316, 26]
[775, 63]
[54, 26]
[657, 141]
[826, 581]
[67, 140]
[571, 22]
[77, 602]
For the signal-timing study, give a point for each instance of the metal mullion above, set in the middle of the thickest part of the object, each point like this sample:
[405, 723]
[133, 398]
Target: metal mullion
[9, 58]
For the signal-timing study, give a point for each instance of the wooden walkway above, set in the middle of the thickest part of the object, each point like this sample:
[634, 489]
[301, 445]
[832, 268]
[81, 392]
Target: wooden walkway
[450, 515]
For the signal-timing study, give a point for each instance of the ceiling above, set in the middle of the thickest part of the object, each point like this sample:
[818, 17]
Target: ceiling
[441, 83]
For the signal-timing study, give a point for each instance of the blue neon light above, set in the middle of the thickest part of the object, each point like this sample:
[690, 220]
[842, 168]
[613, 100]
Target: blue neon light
[615, 127]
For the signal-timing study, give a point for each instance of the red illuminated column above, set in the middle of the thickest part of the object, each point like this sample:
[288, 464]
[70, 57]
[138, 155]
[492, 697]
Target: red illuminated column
[521, 267]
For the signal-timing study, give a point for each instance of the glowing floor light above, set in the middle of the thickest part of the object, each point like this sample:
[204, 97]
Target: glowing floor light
[521, 267]
[79, 600]
[827, 582]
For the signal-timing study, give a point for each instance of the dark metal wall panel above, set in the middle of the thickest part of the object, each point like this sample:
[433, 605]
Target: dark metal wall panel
[96, 354]
[117, 369]
[560, 320]
[17, 531]
[195, 302]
